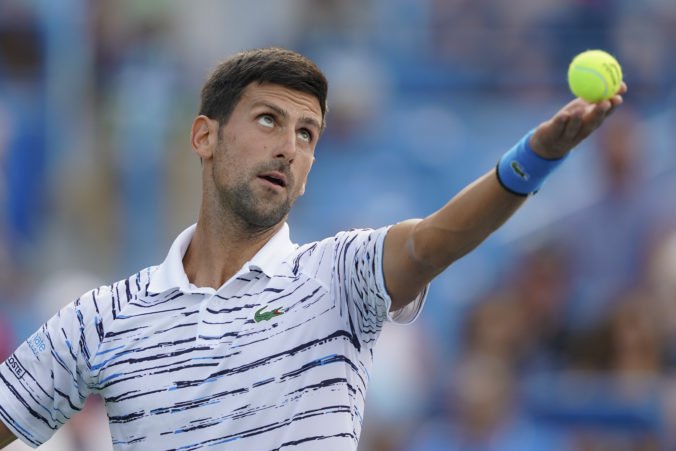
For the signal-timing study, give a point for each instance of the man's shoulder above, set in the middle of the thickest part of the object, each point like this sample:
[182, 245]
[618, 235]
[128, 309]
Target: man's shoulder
[328, 250]
[340, 236]
[119, 293]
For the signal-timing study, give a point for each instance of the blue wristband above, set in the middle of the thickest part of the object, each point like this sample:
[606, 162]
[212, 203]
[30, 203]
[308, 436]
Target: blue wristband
[521, 171]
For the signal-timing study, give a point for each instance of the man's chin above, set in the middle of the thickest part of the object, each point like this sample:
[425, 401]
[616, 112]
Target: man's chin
[260, 210]
[260, 221]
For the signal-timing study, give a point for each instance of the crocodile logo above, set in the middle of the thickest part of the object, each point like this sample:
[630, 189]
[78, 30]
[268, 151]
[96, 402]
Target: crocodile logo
[516, 167]
[266, 316]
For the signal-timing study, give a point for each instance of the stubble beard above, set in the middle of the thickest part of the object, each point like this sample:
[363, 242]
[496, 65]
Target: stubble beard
[251, 212]
[252, 209]
[256, 213]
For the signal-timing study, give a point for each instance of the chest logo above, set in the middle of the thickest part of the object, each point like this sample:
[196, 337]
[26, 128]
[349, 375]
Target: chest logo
[265, 316]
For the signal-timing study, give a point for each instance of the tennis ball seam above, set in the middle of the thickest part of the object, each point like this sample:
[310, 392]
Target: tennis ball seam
[596, 74]
[613, 72]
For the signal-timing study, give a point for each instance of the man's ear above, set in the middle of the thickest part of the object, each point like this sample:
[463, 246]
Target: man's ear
[204, 136]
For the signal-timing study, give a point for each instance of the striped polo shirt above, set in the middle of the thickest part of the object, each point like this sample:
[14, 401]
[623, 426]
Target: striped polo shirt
[276, 358]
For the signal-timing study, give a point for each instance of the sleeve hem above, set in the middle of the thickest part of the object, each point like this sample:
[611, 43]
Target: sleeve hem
[410, 312]
[14, 420]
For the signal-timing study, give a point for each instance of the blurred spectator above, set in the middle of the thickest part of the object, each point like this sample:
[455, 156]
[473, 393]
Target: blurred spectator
[7, 342]
[614, 400]
[483, 413]
[22, 134]
[496, 329]
[628, 344]
[6, 333]
[520, 321]
[406, 362]
[608, 242]
[540, 283]
[644, 36]
[145, 75]
[596, 413]
[662, 282]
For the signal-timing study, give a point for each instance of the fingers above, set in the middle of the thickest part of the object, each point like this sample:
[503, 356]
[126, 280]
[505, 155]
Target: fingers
[557, 136]
[549, 132]
[595, 117]
[601, 110]
[574, 125]
[615, 101]
[561, 123]
[558, 125]
[584, 119]
[623, 89]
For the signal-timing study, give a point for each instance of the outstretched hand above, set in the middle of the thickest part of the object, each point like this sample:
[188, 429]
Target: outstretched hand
[571, 124]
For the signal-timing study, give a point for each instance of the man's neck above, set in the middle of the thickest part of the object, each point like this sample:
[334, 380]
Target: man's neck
[217, 251]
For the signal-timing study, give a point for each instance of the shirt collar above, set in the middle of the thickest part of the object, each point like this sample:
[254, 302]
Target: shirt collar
[171, 274]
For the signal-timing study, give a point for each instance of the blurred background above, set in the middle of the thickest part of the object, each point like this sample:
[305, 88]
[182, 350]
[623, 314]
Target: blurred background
[558, 333]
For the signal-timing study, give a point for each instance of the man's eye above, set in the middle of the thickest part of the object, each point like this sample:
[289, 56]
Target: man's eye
[305, 135]
[266, 120]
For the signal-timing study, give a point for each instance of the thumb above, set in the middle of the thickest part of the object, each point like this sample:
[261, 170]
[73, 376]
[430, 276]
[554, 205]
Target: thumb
[549, 132]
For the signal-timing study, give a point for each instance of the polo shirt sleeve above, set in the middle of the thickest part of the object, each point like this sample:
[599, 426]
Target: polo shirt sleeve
[359, 271]
[47, 379]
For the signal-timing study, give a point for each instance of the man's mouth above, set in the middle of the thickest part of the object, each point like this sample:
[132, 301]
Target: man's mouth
[276, 178]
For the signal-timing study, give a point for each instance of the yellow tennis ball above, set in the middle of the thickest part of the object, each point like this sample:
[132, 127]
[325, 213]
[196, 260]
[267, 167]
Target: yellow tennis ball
[594, 75]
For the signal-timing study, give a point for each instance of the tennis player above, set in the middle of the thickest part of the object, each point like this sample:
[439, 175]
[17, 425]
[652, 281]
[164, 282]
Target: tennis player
[239, 339]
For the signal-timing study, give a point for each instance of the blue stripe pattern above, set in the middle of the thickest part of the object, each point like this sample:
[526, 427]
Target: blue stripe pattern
[181, 370]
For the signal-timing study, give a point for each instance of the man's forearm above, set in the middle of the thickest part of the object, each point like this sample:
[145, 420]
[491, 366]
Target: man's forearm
[416, 251]
[464, 222]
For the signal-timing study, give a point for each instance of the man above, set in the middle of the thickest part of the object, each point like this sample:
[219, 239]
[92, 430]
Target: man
[239, 339]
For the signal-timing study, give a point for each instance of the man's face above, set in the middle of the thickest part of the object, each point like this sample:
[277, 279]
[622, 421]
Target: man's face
[264, 153]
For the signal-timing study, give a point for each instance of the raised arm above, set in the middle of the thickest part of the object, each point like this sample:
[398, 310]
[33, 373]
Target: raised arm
[6, 436]
[415, 251]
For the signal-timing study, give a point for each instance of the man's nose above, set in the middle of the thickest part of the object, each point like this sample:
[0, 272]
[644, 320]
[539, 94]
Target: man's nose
[287, 147]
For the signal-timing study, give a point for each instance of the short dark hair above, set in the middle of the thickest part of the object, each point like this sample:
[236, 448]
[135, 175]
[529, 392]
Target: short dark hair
[225, 85]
